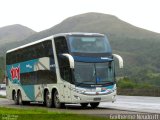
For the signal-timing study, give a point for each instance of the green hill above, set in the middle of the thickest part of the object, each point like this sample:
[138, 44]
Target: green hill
[13, 34]
[139, 47]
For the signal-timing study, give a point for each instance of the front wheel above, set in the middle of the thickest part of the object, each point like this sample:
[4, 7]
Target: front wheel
[94, 105]
[84, 105]
[57, 102]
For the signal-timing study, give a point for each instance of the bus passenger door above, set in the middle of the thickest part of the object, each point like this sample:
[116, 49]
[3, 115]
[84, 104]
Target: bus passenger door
[64, 67]
[66, 84]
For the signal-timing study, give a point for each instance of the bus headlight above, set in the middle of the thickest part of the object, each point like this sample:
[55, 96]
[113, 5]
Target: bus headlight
[79, 90]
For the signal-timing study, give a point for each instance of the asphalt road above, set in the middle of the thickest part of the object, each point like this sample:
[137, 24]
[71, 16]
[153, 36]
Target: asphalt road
[135, 103]
[123, 105]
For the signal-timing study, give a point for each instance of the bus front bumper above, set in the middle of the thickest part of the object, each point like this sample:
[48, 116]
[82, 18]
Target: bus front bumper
[88, 98]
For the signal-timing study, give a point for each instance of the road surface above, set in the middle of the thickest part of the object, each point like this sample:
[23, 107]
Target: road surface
[135, 103]
[123, 105]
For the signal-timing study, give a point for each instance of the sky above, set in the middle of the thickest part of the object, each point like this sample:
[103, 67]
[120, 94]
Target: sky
[43, 14]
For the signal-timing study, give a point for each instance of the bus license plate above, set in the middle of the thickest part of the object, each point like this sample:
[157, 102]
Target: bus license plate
[97, 99]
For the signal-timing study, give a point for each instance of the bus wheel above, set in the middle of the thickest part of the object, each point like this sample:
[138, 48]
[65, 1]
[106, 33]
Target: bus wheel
[15, 98]
[26, 102]
[48, 101]
[94, 105]
[19, 97]
[57, 102]
[84, 105]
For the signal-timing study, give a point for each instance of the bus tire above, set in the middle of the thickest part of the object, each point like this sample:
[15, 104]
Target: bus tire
[84, 105]
[26, 102]
[19, 98]
[94, 105]
[48, 100]
[14, 96]
[57, 103]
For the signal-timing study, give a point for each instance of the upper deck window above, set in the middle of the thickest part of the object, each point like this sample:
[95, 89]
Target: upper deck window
[39, 50]
[89, 44]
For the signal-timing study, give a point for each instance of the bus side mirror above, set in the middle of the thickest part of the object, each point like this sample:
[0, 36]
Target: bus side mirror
[120, 60]
[70, 58]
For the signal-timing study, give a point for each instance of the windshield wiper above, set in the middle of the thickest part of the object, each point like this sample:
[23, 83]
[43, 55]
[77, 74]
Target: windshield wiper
[109, 82]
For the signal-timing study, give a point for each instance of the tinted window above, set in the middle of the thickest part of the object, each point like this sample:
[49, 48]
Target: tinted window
[28, 78]
[38, 77]
[39, 50]
[94, 73]
[43, 49]
[89, 44]
[62, 47]
[46, 77]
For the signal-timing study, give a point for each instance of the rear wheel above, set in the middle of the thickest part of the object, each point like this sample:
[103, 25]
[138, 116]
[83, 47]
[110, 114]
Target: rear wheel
[26, 102]
[15, 98]
[94, 105]
[84, 105]
[57, 102]
[19, 97]
[48, 100]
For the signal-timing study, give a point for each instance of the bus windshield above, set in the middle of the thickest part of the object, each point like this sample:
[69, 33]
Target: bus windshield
[94, 73]
[89, 44]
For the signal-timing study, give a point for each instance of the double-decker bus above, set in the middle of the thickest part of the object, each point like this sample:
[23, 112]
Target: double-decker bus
[62, 69]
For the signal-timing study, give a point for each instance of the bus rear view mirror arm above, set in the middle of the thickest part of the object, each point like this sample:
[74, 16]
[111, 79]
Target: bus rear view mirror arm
[120, 60]
[70, 58]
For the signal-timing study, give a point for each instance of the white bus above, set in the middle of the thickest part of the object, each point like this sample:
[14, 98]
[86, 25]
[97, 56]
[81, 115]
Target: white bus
[62, 69]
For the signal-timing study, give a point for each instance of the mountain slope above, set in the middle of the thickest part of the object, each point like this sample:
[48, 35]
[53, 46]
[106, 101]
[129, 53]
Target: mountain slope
[13, 34]
[96, 22]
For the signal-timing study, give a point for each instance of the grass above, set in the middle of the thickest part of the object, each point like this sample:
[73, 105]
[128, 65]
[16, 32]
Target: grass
[42, 114]
[2, 96]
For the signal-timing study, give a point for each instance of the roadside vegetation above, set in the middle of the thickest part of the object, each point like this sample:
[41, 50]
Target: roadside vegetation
[1, 69]
[127, 86]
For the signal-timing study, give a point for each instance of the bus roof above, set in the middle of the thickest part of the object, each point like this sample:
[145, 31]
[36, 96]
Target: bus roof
[51, 37]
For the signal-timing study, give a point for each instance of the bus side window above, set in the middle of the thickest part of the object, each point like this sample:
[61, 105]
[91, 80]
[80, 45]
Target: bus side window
[15, 57]
[48, 48]
[61, 47]
[22, 55]
[37, 50]
[8, 58]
